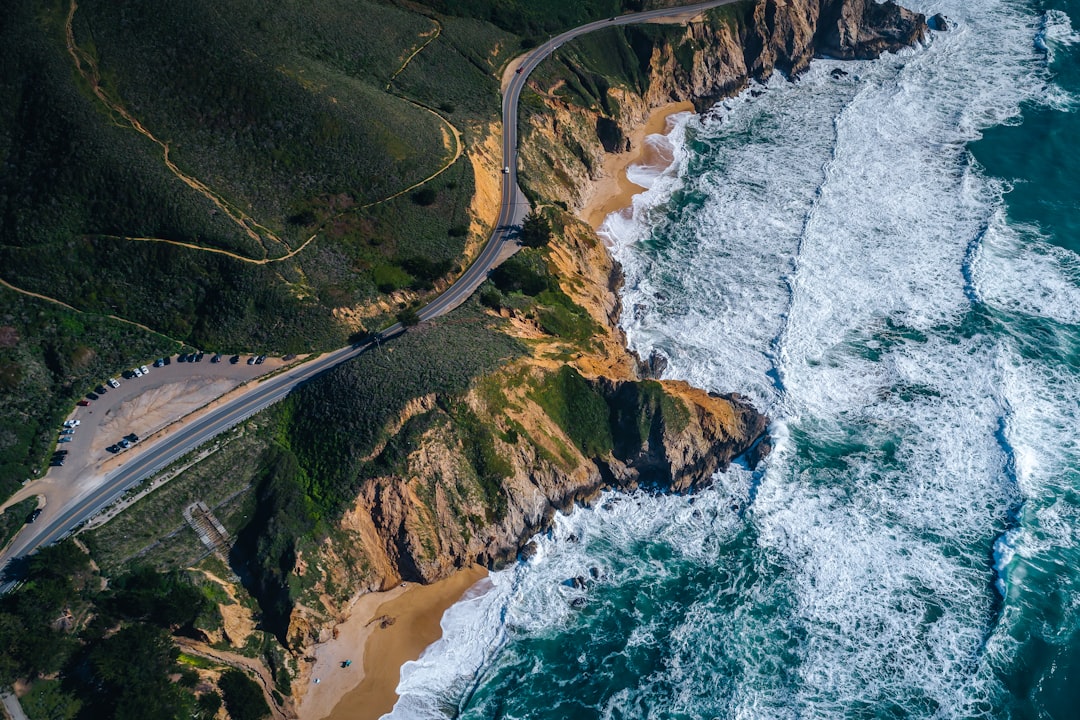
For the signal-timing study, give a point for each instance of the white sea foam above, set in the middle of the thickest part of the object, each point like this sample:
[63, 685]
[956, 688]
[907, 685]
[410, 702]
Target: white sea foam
[830, 249]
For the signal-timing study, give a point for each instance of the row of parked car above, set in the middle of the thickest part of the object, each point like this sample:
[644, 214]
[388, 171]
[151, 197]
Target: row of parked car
[126, 442]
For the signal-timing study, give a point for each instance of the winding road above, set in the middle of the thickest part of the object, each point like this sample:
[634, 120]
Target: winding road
[513, 208]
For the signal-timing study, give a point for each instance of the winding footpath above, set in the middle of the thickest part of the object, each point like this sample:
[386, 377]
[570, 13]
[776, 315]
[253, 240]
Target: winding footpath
[512, 211]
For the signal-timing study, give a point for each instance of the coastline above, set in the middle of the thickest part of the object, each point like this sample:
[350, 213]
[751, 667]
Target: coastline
[384, 630]
[614, 191]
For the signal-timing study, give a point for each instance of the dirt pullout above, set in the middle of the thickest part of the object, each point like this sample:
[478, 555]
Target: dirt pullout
[152, 410]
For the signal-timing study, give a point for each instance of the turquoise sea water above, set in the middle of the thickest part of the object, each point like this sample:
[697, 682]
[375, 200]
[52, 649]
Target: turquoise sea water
[886, 262]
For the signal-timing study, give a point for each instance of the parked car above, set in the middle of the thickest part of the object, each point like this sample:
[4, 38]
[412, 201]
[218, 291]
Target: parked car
[114, 383]
[56, 462]
[234, 359]
[132, 437]
[66, 438]
[159, 362]
[216, 358]
[137, 372]
[251, 360]
[83, 403]
[181, 358]
[167, 359]
[100, 390]
[260, 360]
[60, 453]
[199, 356]
[113, 448]
[145, 370]
[67, 431]
[72, 423]
[91, 396]
[33, 516]
[127, 374]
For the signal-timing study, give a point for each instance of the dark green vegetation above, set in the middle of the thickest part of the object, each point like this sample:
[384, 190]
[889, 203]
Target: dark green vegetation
[526, 284]
[243, 698]
[111, 648]
[286, 112]
[602, 418]
[534, 18]
[535, 230]
[331, 438]
[153, 530]
[14, 517]
[49, 357]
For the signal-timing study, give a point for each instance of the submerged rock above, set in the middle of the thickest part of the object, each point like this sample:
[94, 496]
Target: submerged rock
[938, 23]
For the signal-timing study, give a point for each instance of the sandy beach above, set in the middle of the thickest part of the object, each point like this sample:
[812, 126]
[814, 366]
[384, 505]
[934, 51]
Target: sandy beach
[384, 631]
[613, 191]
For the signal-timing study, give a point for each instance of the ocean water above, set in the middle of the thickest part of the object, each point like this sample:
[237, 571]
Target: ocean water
[886, 262]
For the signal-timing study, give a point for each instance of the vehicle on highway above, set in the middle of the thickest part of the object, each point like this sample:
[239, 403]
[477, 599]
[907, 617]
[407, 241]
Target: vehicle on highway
[506, 170]
[519, 70]
[216, 358]
[33, 516]
[66, 438]
[83, 403]
[145, 370]
[234, 359]
[114, 383]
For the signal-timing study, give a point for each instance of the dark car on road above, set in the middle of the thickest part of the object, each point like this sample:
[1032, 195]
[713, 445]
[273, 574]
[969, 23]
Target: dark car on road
[33, 516]
[234, 359]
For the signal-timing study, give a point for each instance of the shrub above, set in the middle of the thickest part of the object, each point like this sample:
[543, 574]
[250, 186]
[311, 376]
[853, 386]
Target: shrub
[243, 698]
[424, 196]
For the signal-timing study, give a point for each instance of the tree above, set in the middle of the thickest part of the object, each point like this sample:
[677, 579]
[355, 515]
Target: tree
[408, 317]
[243, 698]
[535, 230]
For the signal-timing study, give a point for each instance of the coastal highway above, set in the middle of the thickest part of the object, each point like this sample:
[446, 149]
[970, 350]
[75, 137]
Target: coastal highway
[513, 207]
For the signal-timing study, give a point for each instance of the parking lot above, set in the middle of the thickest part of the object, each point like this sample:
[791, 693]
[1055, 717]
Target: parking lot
[139, 407]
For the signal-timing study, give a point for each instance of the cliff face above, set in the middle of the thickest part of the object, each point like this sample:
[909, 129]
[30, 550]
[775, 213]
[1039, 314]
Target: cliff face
[481, 473]
[714, 57]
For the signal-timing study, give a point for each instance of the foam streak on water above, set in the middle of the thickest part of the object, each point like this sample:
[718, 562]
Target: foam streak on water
[831, 249]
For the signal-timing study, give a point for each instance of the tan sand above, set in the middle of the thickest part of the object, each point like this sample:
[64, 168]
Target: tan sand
[613, 191]
[383, 632]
